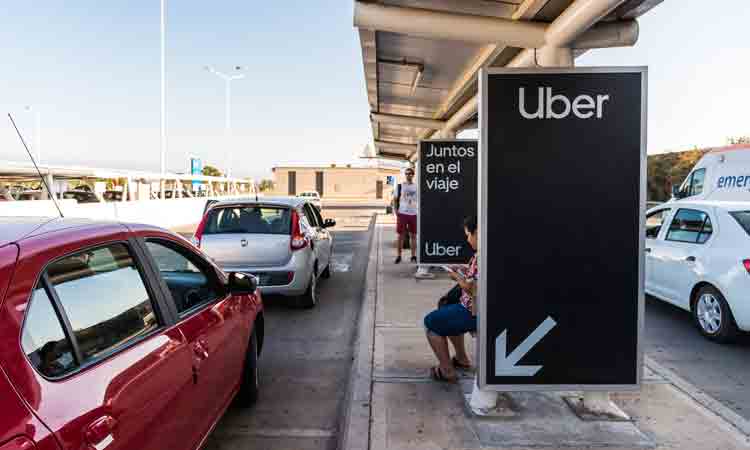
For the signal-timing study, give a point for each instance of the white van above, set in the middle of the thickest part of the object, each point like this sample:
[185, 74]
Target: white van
[722, 174]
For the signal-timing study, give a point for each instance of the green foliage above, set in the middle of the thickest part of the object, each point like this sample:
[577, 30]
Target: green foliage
[266, 185]
[211, 171]
[669, 169]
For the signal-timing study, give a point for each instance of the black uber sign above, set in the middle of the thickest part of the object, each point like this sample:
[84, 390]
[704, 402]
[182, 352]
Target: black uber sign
[447, 194]
[562, 201]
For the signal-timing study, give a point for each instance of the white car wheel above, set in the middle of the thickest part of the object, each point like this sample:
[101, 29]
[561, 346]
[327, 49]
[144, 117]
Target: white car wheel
[712, 315]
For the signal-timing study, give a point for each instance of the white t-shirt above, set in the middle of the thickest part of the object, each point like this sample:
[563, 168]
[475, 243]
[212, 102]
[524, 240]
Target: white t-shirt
[408, 201]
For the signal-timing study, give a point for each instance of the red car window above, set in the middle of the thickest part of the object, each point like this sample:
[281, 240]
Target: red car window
[87, 306]
[104, 298]
[43, 339]
[190, 284]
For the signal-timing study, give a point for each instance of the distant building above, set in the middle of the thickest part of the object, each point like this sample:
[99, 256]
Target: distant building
[337, 182]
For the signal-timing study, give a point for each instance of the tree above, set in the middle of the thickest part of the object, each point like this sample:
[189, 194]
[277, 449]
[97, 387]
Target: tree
[266, 185]
[211, 171]
[733, 140]
[669, 169]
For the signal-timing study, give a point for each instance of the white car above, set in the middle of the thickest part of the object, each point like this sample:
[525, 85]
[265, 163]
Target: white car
[722, 174]
[312, 197]
[698, 258]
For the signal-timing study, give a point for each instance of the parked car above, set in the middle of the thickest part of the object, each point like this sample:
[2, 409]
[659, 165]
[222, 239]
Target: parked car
[81, 196]
[29, 194]
[284, 242]
[113, 196]
[312, 197]
[119, 336]
[698, 258]
[169, 194]
[721, 174]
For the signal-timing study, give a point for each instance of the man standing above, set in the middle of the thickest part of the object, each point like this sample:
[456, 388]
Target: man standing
[405, 207]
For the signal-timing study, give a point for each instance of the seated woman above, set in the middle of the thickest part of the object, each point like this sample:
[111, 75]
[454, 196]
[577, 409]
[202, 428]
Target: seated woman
[452, 321]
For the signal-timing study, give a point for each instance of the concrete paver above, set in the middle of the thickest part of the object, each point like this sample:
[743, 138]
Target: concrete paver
[411, 411]
[399, 353]
[419, 416]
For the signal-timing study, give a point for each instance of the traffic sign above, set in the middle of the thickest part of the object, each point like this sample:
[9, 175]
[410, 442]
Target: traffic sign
[447, 194]
[562, 206]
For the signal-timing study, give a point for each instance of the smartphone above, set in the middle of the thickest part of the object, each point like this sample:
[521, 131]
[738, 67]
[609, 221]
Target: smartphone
[450, 269]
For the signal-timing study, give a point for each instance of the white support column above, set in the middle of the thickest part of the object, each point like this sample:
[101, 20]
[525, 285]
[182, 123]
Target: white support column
[482, 400]
[51, 183]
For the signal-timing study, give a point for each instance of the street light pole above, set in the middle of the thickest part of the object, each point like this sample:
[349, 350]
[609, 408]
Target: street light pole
[163, 141]
[227, 112]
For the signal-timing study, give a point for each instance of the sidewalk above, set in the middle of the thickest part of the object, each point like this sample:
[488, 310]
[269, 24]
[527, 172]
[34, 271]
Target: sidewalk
[407, 410]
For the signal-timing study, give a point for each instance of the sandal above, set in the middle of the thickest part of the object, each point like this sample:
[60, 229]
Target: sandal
[459, 365]
[437, 375]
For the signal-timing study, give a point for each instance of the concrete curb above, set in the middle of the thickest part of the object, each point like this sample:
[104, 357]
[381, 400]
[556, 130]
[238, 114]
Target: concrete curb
[355, 430]
[711, 404]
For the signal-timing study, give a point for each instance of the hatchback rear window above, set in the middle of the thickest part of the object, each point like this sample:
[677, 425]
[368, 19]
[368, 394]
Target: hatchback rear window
[249, 220]
[743, 218]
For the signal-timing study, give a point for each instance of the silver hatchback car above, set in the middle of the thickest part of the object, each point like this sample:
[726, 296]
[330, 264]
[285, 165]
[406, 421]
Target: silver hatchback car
[284, 242]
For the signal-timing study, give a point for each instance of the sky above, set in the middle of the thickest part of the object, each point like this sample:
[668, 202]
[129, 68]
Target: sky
[91, 70]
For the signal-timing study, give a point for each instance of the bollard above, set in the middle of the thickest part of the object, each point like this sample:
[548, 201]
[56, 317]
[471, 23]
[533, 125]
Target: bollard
[482, 401]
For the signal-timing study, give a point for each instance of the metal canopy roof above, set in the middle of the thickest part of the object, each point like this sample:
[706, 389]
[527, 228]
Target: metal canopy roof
[418, 74]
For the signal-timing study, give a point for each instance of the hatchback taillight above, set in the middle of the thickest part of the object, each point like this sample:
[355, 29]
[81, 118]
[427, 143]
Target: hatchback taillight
[746, 263]
[298, 241]
[196, 239]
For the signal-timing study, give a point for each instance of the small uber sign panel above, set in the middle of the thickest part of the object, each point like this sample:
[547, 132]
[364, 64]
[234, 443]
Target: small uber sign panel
[447, 195]
[561, 245]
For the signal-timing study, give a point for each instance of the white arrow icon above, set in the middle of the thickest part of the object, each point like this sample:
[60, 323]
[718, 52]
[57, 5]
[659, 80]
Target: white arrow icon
[505, 366]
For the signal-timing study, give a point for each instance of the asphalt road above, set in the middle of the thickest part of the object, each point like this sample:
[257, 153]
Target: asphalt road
[306, 359]
[722, 371]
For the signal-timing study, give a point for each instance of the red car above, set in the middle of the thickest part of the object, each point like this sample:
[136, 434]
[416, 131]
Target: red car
[118, 336]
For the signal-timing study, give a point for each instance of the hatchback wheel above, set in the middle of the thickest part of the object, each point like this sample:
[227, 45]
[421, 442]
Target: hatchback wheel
[713, 316]
[250, 387]
[310, 298]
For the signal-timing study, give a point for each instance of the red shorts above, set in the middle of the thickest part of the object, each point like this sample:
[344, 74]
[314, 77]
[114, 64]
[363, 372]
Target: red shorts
[406, 221]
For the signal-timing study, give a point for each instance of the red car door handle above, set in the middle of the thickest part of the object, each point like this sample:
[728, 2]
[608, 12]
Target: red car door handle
[99, 434]
[200, 351]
